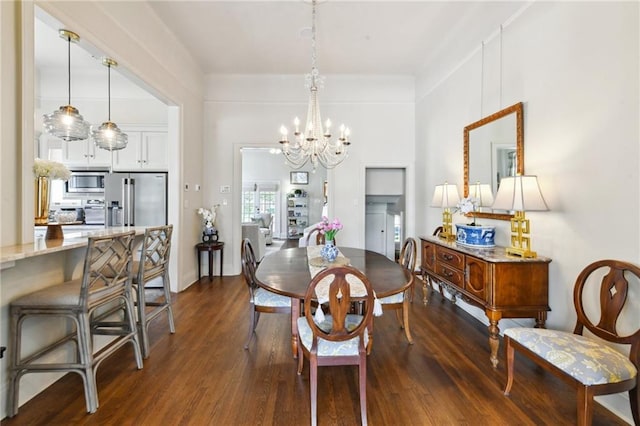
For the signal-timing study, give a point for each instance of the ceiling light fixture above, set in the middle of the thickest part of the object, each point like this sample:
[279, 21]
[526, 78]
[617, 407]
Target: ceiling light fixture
[66, 122]
[108, 136]
[315, 143]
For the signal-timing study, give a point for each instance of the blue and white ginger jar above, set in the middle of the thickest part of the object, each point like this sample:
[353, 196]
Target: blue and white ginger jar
[329, 251]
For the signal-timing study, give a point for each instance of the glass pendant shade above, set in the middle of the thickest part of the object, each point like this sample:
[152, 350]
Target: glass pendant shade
[108, 136]
[66, 122]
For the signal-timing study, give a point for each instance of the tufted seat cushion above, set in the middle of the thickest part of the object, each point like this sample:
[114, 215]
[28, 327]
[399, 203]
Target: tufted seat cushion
[262, 297]
[328, 348]
[584, 359]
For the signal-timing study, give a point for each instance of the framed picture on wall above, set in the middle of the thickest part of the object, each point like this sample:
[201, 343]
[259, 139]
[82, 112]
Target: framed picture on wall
[299, 178]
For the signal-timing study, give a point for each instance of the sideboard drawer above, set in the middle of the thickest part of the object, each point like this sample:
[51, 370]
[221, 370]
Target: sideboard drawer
[450, 257]
[454, 276]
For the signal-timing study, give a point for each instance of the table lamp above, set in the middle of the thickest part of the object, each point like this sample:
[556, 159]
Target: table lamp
[482, 194]
[520, 194]
[446, 196]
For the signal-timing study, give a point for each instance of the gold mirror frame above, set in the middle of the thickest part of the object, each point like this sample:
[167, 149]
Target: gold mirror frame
[518, 110]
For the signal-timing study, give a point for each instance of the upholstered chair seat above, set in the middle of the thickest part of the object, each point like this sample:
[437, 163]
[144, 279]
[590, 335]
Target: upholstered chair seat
[262, 297]
[329, 348]
[584, 359]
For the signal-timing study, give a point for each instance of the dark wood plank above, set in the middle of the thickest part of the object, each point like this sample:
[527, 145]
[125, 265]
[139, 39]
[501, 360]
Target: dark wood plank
[202, 375]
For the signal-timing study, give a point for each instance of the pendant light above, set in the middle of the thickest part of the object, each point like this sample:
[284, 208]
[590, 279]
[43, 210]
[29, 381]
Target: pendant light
[108, 136]
[66, 122]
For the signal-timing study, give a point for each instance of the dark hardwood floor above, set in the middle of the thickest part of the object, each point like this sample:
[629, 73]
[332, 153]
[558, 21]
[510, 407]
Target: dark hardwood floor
[202, 375]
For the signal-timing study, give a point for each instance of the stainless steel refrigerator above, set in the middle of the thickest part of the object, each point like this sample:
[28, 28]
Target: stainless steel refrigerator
[136, 199]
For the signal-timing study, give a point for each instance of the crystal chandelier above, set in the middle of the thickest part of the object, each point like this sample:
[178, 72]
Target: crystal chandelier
[315, 143]
[108, 136]
[66, 122]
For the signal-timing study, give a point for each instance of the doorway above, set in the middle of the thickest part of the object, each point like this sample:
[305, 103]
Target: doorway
[385, 190]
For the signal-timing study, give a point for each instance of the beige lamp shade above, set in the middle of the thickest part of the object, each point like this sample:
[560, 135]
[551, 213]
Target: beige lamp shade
[482, 193]
[445, 196]
[519, 193]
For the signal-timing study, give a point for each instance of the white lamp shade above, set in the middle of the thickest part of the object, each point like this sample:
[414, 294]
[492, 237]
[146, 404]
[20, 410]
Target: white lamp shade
[445, 196]
[482, 193]
[519, 193]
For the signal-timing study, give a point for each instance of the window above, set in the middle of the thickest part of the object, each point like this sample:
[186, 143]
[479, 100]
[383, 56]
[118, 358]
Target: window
[259, 198]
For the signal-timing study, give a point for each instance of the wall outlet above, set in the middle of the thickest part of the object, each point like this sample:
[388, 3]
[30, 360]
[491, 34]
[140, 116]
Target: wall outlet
[225, 189]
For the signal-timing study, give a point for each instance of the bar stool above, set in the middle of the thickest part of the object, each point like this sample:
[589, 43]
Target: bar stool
[154, 259]
[106, 281]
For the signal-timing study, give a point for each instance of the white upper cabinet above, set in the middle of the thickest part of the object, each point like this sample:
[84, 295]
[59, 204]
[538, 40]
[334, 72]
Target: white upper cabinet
[146, 150]
[73, 154]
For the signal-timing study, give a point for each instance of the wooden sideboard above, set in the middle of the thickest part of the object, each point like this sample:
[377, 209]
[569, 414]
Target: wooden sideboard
[504, 286]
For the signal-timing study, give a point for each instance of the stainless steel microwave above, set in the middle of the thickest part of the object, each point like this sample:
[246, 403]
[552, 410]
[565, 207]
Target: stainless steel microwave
[85, 182]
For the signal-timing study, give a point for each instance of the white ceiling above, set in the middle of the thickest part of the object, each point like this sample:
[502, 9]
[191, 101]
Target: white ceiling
[353, 37]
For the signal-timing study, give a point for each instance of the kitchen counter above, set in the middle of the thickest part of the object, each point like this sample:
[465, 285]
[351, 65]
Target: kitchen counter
[73, 238]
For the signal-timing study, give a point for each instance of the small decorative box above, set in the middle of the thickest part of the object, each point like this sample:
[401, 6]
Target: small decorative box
[475, 235]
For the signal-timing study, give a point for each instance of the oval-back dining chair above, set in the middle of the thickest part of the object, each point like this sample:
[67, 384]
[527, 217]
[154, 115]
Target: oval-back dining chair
[260, 300]
[588, 363]
[319, 237]
[342, 338]
[400, 301]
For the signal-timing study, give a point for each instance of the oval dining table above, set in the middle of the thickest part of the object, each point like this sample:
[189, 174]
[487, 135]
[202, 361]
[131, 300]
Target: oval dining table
[286, 272]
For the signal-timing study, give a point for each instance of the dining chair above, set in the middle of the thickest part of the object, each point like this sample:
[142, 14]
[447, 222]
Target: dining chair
[589, 363]
[106, 281]
[260, 300]
[400, 301]
[342, 338]
[153, 297]
[319, 237]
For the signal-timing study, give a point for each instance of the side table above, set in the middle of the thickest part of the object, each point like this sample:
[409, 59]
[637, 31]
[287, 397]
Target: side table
[210, 247]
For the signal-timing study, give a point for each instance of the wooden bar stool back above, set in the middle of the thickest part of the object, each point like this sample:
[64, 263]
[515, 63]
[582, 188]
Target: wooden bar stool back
[106, 282]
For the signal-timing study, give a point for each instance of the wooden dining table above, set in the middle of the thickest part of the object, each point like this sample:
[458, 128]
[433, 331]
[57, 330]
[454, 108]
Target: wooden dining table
[286, 272]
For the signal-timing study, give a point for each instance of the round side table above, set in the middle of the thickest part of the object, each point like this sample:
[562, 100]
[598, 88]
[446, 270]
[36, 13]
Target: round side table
[210, 247]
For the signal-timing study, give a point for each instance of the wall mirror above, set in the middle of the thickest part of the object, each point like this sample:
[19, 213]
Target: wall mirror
[493, 149]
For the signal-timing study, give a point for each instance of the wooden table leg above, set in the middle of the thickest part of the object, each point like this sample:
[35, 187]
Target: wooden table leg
[199, 266]
[221, 259]
[295, 314]
[494, 332]
[210, 263]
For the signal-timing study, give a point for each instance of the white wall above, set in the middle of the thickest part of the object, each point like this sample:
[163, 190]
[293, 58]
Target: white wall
[575, 66]
[247, 110]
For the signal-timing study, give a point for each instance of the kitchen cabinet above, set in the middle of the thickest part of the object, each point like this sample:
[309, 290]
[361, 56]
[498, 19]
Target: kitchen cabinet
[503, 286]
[73, 154]
[146, 150]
